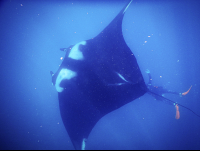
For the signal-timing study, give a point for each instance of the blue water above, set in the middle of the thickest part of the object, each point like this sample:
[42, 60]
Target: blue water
[164, 37]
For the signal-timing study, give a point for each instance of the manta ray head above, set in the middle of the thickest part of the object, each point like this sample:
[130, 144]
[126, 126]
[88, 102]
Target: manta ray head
[65, 73]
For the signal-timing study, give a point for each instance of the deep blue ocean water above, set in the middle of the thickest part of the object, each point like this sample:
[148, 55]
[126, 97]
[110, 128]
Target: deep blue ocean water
[164, 36]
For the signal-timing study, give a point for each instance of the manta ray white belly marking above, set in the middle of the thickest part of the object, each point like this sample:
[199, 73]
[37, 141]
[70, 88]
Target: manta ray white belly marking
[64, 74]
[75, 53]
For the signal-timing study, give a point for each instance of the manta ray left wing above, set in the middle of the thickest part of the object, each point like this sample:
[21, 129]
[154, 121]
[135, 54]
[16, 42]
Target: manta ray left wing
[97, 76]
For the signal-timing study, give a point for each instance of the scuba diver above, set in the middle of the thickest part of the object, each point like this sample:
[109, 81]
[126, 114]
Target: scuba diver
[160, 90]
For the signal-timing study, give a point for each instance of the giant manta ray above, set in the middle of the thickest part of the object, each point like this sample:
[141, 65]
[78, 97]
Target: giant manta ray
[96, 77]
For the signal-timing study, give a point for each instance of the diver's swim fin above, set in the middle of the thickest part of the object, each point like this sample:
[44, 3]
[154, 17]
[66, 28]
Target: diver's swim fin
[184, 93]
[177, 112]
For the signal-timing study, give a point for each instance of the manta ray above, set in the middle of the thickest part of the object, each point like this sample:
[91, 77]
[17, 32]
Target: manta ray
[96, 77]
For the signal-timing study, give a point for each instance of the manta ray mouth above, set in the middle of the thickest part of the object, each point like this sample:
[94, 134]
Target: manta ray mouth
[64, 74]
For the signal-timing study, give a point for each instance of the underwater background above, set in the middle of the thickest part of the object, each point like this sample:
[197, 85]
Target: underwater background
[164, 36]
